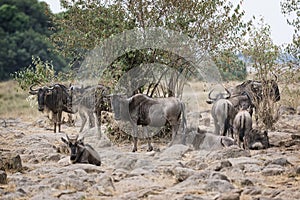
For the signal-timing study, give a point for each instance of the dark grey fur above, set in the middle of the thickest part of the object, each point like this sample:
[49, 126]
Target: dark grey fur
[143, 110]
[82, 153]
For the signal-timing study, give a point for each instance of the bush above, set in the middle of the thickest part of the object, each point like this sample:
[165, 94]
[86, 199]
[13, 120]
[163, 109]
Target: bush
[39, 72]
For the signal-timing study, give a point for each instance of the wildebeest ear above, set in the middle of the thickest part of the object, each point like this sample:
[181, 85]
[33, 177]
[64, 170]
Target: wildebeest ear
[64, 140]
[266, 133]
[80, 140]
[200, 131]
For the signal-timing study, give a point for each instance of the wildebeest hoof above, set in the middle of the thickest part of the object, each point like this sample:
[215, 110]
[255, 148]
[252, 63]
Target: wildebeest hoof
[134, 149]
[150, 149]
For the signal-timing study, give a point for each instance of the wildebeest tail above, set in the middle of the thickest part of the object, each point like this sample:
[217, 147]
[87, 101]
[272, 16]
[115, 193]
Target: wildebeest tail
[242, 127]
[183, 121]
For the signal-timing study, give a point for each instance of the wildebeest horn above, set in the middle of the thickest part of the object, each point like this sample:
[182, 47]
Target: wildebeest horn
[33, 91]
[209, 95]
[228, 92]
[50, 88]
[276, 77]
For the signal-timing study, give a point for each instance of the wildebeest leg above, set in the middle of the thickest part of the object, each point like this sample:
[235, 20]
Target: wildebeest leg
[135, 129]
[217, 127]
[98, 124]
[54, 121]
[150, 148]
[175, 128]
[83, 120]
[59, 115]
[91, 119]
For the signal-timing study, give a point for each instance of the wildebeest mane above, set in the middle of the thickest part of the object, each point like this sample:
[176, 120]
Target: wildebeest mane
[141, 105]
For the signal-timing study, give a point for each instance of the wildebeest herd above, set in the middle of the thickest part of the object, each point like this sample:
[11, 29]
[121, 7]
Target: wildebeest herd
[231, 111]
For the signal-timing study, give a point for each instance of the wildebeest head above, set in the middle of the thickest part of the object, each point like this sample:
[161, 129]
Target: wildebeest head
[257, 139]
[218, 96]
[274, 90]
[41, 95]
[75, 144]
[257, 90]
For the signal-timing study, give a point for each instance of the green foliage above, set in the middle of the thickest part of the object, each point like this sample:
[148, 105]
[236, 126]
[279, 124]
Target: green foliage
[264, 54]
[215, 25]
[39, 72]
[231, 67]
[24, 28]
[291, 10]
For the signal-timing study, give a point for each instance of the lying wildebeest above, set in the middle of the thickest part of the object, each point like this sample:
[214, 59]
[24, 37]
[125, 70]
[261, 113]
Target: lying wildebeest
[242, 125]
[222, 112]
[89, 100]
[256, 91]
[201, 139]
[80, 152]
[55, 98]
[155, 112]
[256, 139]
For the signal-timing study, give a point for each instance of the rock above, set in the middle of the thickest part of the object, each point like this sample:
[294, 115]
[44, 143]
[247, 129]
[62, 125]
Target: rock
[173, 153]
[298, 110]
[295, 137]
[246, 182]
[223, 164]
[252, 191]
[126, 162]
[105, 185]
[218, 185]
[119, 174]
[3, 177]
[280, 161]
[182, 174]
[231, 195]
[226, 153]
[63, 148]
[286, 110]
[272, 170]
[10, 161]
[219, 176]
[297, 170]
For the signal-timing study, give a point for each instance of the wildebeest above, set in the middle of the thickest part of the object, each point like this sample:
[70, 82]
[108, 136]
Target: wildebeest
[201, 139]
[222, 112]
[256, 139]
[80, 152]
[155, 112]
[55, 98]
[255, 91]
[90, 100]
[242, 125]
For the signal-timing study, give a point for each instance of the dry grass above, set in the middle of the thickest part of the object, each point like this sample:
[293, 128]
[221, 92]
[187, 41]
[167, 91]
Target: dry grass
[13, 103]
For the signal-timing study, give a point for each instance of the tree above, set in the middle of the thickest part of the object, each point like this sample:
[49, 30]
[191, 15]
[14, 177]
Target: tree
[24, 28]
[291, 9]
[263, 55]
[214, 24]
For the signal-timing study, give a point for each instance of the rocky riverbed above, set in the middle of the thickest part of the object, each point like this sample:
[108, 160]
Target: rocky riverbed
[176, 172]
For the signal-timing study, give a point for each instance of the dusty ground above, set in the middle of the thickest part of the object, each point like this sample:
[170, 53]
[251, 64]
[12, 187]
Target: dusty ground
[177, 172]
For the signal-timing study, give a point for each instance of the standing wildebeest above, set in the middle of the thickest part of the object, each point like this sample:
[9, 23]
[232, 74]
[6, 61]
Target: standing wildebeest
[242, 126]
[90, 100]
[143, 110]
[80, 152]
[222, 112]
[55, 98]
[256, 91]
